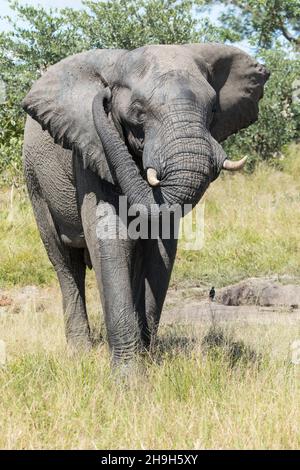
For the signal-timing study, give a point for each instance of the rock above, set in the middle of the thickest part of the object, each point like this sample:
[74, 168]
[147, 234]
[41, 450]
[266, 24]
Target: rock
[5, 301]
[261, 292]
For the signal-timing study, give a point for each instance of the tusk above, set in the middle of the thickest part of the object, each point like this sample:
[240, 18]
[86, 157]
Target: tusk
[152, 177]
[234, 165]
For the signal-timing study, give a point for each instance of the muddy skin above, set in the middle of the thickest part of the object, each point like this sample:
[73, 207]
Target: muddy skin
[98, 121]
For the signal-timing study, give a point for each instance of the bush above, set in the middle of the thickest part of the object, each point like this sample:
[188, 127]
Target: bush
[11, 162]
[39, 38]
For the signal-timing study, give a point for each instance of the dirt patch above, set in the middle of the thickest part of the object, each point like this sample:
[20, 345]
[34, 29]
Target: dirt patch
[17, 300]
[193, 312]
[256, 301]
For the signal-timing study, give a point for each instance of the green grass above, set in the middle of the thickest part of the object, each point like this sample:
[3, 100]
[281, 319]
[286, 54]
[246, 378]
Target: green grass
[23, 260]
[252, 228]
[185, 397]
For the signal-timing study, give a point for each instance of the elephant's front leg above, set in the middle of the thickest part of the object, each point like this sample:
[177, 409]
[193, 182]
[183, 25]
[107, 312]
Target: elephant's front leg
[117, 259]
[158, 260]
[114, 260]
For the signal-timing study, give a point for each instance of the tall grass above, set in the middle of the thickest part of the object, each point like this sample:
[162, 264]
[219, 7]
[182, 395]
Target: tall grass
[252, 227]
[23, 259]
[203, 388]
[187, 396]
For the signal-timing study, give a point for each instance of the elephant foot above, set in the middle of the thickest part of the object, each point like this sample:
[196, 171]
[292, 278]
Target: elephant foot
[127, 373]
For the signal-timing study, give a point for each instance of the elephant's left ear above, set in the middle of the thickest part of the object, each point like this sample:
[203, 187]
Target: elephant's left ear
[238, 81]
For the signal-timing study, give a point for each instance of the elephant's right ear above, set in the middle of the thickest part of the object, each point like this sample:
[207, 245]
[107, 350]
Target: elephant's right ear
[61, 102]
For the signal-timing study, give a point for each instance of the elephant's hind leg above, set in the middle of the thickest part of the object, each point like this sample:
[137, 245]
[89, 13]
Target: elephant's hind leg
[70, 268]
[72, 283]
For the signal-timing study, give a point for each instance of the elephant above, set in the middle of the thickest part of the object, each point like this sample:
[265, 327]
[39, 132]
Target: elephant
[145, 124]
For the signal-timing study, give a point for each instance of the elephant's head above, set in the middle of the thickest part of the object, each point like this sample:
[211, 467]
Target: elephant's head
[168, 108]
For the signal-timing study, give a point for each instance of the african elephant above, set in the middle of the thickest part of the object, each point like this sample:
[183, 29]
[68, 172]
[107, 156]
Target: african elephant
[147, 124]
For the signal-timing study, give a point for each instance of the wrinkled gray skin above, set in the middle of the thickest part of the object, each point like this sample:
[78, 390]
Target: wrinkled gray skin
[100, 119]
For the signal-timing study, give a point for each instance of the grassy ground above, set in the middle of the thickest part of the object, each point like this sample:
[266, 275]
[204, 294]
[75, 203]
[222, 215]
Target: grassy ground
[252, 227]
[193, 394]
[242, 394]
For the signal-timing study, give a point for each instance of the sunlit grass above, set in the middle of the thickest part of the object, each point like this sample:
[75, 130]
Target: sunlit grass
[231, 388]
[187, 396]
[23, 259]
[252, 228]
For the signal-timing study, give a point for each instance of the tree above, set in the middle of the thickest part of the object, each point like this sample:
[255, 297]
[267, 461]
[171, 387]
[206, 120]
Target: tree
[37, 39]
[272, 27]
[40, 37]
[130, 24]
[261, 22]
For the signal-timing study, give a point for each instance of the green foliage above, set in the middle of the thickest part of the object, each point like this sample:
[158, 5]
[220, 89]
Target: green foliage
[134, 23]
[39, 37]
[261, 22]
[272, 28]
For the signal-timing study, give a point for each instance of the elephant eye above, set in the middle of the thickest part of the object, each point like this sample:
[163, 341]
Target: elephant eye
[137, 112]
[139, 115]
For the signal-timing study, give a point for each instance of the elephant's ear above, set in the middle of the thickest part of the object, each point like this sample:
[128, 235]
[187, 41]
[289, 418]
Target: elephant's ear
[238, 81]
[61, 101]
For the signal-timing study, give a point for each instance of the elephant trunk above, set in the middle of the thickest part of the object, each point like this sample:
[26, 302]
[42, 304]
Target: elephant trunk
[182, 157]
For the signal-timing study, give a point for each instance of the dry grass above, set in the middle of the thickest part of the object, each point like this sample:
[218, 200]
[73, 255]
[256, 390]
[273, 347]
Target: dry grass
[188, 396]
[192, 394]
[252, 228]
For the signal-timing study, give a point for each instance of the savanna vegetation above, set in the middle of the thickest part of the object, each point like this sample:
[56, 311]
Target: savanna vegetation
[39, 37]
[49, 399]
[251, 228]
[187, 396]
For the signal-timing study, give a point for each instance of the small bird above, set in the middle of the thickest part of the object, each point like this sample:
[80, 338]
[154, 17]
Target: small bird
[212, 294]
